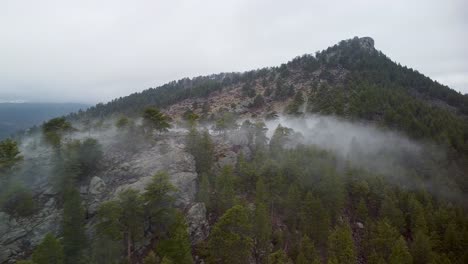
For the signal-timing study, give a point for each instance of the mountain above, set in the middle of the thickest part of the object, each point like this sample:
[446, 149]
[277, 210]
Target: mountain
[22, 115]
[339, 157]
[351, 79]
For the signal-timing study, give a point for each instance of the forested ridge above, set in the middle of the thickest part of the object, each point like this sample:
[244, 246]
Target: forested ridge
[264, 194]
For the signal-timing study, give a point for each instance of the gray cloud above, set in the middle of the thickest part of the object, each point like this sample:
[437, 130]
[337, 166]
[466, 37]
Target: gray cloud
[97, 50]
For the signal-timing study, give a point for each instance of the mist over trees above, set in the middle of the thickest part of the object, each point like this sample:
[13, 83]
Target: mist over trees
[296, 188]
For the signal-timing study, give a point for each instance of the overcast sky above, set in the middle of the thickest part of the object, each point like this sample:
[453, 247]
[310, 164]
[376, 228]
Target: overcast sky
[93, 51]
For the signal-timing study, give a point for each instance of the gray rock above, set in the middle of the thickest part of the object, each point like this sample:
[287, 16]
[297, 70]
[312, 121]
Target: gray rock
[96, 186]
[199, 228]
[229, 159]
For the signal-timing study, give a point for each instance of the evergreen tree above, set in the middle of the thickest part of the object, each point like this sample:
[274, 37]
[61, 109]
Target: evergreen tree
[361, 211]
[341, 245]
[153, 119]
[262, 232]
[261, 194]
[74, 237]
[105, 250]
[9, 155]
[279, 257]
[150, 258]
[49, 251]
[382, 239]
[400, 253]
[177, 245]
[230, 241]
[421, 248]
[109, 214]
[225, 189]
[314, 220]
[292, 200]
[307, 252]
[131, 219]
[54, 129]
[159, 202]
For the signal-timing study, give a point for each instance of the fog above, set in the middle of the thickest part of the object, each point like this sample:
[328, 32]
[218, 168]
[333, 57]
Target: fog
[400, 160]
[410, 164]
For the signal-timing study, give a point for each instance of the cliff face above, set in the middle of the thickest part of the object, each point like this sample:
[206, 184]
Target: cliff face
[120, 170]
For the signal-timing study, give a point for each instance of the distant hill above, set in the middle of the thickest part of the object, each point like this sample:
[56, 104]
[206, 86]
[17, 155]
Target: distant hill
[352, 80]
[18, 116]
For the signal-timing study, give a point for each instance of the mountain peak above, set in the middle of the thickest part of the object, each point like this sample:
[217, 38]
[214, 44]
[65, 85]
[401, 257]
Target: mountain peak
[366, 42]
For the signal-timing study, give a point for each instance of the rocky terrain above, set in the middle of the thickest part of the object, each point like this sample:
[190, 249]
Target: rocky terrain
[120, 170]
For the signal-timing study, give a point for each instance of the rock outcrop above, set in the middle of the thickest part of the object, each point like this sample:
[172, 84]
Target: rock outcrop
[120, 170]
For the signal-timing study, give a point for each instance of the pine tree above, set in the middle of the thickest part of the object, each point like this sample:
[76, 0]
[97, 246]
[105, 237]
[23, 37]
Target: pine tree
[153, 119]
[382, 239]
[106, 250]
[307, 252]
[421, 248]
[293, 199]
[230, 241]
[74, 237]
[177, 245]
[131, 218]
[279, 257]
[225, 189]
[150, 258]
[49, 251]
[341, 245]
[400, 253]
[261, 194]
[314, 220]
[262, 232]
[159, 201]
[361, 211]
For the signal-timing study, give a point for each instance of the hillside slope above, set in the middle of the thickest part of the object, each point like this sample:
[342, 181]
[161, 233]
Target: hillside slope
[341, 157]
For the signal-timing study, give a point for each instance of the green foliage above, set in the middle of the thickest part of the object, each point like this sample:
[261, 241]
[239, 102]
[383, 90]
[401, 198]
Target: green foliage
[201, 147]
[283, 91]
[153, 119]
[74, 237]
[400, 253]
[294, 108]
[106, 250]
[230, 240]
[248, 90]
[50, 251]
[382, 239]
[122, 122]
[54, 129]
[9, 155]
[280, 138]
[190, 117]
[177, 245]
[262, 232]
[341, 245]
[226, 122]
[225, 189]
[279, 257]
[307, 252]
[18, 201]
[109, 214]
[25, 262]
[421, 248]
[258, 101]
[150, 258]
[159, 201]
[314, 220]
